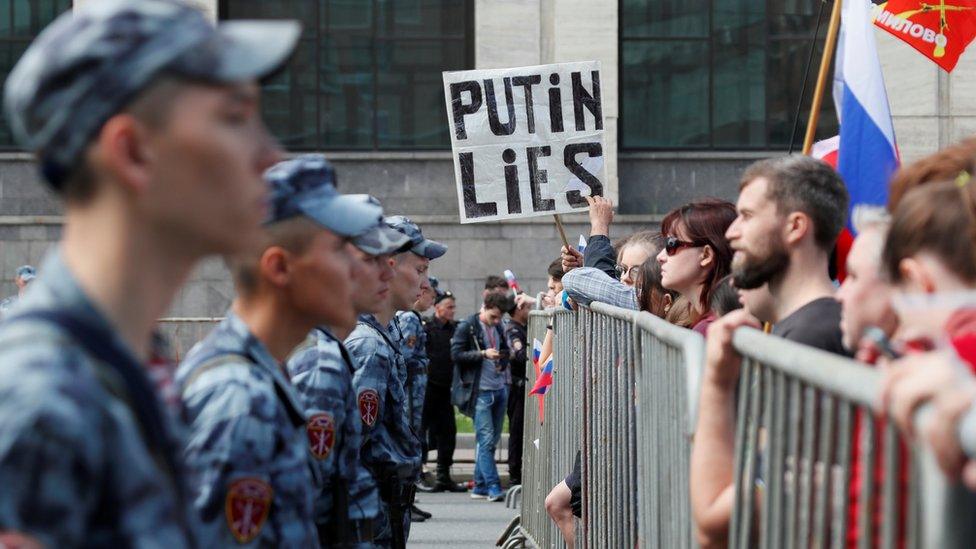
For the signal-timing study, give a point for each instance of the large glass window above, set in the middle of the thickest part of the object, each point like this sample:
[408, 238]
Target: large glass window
[367, 75]
[20, 22]
[717, 74]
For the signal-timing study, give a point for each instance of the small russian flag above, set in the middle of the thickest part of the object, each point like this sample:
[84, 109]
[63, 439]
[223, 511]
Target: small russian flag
[512, 281]
[536, 353]
[581, 247]
[544, 381]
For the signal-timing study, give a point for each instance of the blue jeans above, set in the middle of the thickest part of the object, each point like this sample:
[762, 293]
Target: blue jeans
[489, 418]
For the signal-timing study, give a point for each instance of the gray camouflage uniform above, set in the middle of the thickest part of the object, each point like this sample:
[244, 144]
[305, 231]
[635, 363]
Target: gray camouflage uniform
[390, 450]
[414, 347]
[87, 456]
[247, 450]
[74, 467]
[322, 377]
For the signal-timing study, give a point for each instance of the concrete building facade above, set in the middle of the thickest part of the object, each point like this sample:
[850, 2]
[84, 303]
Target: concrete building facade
[931, 109]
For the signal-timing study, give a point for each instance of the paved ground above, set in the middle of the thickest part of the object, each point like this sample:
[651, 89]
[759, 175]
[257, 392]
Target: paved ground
[459, 522]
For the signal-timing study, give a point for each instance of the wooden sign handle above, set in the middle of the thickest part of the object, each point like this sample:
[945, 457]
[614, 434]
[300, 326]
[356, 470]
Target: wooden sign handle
[562, 231]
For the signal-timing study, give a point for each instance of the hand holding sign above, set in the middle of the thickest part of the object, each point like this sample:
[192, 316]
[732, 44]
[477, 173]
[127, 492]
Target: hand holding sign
[571, 259]
[526, 141]
[601, 215]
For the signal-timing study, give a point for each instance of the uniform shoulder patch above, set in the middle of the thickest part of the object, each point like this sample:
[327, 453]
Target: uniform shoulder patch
[411, 341]
[247, 507]
[369, 406]
[321, 434]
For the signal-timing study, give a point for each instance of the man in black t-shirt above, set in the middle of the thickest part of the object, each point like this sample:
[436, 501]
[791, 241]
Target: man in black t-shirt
[791, 210]
[816, 324]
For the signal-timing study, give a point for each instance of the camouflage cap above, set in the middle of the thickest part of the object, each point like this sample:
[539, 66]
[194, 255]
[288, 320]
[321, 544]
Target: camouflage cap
[90, 63]
[381, 239]
[420, 245]
[305, 186]
[26, 273]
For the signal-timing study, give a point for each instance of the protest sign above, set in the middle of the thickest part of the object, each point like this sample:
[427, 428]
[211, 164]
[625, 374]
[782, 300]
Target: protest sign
[527, 141]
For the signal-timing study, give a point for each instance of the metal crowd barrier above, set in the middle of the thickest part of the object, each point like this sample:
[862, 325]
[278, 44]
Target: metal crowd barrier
[801, 413]
[549, 448]
[625, 393]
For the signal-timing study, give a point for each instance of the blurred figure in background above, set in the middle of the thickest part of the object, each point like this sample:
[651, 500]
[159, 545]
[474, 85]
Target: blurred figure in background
[517, 337]
[25, 274]
[438, 415]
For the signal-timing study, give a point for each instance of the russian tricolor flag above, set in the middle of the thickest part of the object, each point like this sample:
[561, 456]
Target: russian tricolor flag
[868, 153]
[543, 378]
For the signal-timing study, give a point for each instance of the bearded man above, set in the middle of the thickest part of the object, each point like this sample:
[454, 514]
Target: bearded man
[790, 212]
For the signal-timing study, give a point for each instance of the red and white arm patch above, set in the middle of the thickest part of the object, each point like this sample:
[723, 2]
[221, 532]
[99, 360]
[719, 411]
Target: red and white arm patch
[321, 434]
[247, 507]
[369, 406]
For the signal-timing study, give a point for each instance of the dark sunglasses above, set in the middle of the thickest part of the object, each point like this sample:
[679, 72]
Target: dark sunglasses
[673, 245]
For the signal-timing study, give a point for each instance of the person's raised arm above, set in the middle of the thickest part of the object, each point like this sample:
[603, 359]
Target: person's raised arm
[599, 250]
[713, 453]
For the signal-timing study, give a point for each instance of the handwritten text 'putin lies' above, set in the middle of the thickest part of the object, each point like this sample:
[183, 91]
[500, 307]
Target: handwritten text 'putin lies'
[469, 97]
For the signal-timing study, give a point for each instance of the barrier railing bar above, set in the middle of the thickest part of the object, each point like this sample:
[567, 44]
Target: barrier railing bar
[840, 509]
[892, 479]
[807, 464]
[865, 512]
[768, 502]
[823, 478]
[821, 369]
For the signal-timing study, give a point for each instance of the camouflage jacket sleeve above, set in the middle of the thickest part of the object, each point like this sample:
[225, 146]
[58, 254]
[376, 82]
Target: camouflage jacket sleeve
[414, 344]
[67, 447]
[53, 502]
[231, 455]
[371, 379]
[324, 386]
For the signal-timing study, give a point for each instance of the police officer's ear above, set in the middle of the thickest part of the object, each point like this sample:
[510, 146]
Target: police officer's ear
[121, 151]
[275, 266]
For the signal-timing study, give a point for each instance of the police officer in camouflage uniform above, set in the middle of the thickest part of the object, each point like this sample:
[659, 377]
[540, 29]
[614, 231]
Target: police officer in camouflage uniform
[24, 276]
[414, 347]
[125, 105]
[248, 446]
[346, 498]
[391, 449]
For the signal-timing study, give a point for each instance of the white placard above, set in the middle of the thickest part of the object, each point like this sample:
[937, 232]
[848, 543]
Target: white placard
[527, 141]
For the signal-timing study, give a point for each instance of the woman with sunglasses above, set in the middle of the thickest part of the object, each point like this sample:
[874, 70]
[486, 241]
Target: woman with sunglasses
[696, 254]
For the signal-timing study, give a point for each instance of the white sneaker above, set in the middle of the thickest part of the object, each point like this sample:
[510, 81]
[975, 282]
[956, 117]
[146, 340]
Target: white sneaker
[478, 495]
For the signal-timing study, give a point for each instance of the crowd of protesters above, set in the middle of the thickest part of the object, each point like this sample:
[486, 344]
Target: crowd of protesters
[903, 305]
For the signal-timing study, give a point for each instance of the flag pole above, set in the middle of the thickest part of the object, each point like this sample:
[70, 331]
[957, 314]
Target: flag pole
[562, 231]
[818, 94]
[806, 75]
